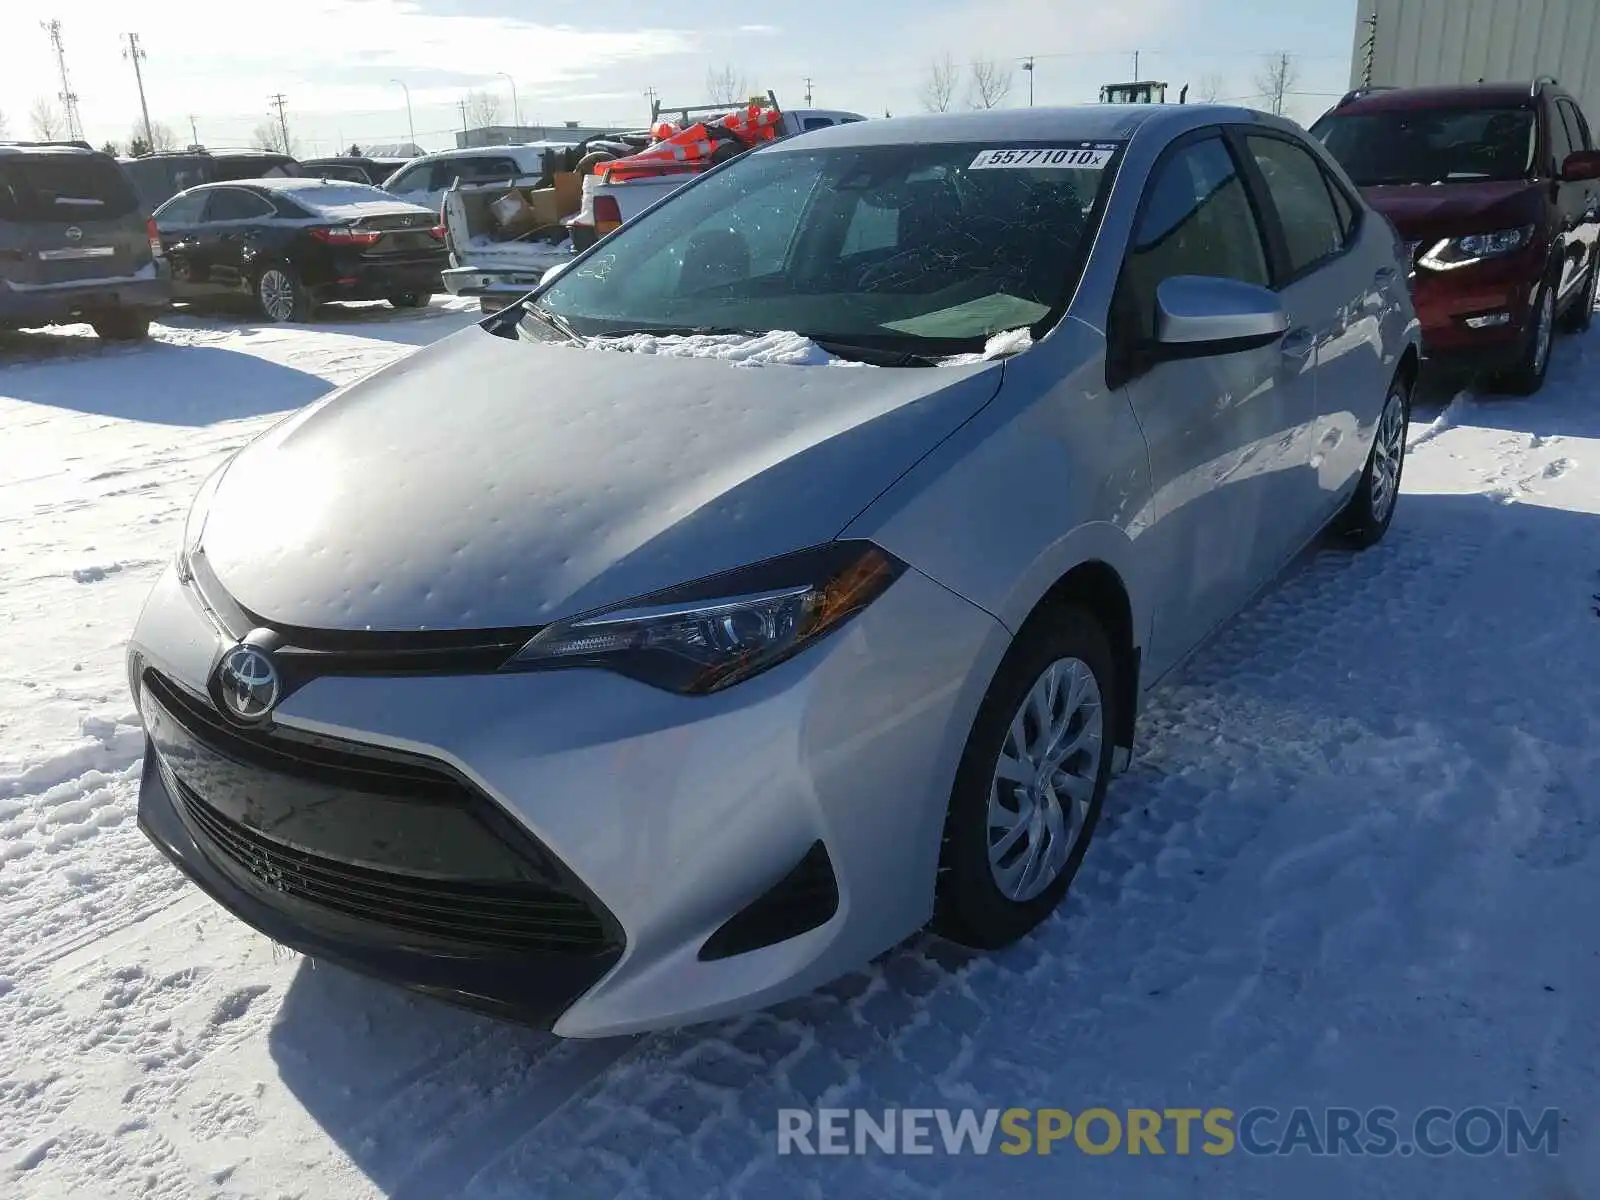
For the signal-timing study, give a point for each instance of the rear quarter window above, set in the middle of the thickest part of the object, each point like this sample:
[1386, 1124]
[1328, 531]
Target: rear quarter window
[65, 188]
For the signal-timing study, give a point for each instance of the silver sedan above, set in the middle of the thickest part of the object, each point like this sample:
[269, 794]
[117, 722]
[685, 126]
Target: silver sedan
[783, 576]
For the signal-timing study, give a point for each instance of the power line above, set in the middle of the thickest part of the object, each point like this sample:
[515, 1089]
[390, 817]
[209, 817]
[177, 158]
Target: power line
[135, 53]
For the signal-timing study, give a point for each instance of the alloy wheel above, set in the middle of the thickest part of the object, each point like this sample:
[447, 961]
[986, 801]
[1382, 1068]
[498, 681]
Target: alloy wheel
[1388, 454]
[1044, 779]
[277, 294]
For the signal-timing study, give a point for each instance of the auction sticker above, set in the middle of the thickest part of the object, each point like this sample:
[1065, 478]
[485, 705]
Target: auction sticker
[1064, 158]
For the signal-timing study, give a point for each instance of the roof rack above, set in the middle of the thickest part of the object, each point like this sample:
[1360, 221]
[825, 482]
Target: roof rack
[657, 108]
[1541, 81]
[1357, 93]
[76, 143]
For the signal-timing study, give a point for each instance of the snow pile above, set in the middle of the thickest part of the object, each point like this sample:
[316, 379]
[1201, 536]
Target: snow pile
[1001, 345]
[777, 348]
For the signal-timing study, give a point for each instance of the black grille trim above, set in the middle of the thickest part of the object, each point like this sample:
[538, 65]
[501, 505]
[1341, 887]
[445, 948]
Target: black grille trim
[488, 888]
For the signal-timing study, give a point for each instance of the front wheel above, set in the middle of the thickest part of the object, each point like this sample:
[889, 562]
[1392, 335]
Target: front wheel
[409, 300]
[281, 296]
[1371, 510]
[1581, 315]
[1031, 783]
[1527, 377]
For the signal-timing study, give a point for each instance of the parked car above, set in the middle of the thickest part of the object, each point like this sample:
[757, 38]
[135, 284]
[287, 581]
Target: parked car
[425, 180]
[1495, 189]
[159, 177]
[569, 671]
[352, 168]
[291, 244]
[75, 243]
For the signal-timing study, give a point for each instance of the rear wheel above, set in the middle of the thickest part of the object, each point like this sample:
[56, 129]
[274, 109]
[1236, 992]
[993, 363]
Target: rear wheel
[409, 299]
[281, 296]
[1031, 783]
[121, 325]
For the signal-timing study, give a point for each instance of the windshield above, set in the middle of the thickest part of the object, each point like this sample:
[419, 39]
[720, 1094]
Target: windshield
[926, 247]
[1431, 145]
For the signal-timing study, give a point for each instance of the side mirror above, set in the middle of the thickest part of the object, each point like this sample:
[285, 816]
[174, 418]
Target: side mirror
[1199, 315]
[1581, 166]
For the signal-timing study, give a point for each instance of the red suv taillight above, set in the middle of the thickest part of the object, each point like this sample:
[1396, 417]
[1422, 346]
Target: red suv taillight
[438, 232]
[154, 234]
[607, 214]
[341, 235]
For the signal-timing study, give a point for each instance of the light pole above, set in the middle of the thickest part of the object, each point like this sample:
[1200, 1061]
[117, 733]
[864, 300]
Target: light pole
[411, 127]
[516, 109]
[1027, 65]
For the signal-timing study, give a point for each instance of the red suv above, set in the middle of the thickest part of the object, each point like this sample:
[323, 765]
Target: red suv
[1495, 191]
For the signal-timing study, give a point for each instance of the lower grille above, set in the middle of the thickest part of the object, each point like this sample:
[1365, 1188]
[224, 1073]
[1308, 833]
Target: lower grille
[490, 917]
[393, 846]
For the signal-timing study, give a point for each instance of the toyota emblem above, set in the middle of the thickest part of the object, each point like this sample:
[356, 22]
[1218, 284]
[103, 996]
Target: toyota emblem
[73, 234]
[247, 684]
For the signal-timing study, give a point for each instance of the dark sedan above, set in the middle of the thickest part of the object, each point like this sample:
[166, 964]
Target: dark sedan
[291, 244]
[356, 168]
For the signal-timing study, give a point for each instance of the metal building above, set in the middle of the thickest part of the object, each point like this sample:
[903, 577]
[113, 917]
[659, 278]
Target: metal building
[1417, 42]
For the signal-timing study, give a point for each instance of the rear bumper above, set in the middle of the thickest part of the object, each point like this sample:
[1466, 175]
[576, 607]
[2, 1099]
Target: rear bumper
[60, 304]
[376, 281]
[501, 285]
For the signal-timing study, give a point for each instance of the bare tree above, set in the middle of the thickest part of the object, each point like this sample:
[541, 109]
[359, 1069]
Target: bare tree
[1210, 88]
[483, 109]
[1276, 79]
[47, 119]
[939, 89]
[110, 148]
[268, 135]
[161, 139]
[727, 86]
[991, 83]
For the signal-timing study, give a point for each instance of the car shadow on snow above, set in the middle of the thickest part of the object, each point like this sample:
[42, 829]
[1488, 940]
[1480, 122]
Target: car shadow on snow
[1369, 704]
[377, 321]
[161, 383]
[1567, 406]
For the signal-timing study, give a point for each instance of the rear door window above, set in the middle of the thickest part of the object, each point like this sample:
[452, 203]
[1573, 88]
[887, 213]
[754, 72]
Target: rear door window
[67, 188]
[236, 204]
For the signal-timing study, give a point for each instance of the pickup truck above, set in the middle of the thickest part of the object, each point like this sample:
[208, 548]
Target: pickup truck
[499, 272]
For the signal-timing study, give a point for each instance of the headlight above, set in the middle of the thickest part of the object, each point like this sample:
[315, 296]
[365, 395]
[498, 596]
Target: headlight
[194, 524]
[1454, 253]
[708, 635]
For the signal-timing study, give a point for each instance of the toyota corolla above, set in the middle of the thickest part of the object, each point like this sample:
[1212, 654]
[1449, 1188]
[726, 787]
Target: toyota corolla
[782, 577]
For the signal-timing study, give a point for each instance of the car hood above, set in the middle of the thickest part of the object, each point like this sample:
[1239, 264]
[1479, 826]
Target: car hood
[1453, 209]
[485, 482]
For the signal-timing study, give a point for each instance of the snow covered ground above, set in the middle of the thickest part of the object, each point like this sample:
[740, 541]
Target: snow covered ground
[1354, 864]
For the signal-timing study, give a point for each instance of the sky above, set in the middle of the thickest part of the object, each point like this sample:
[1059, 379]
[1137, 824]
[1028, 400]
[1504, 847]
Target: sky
[341, 64]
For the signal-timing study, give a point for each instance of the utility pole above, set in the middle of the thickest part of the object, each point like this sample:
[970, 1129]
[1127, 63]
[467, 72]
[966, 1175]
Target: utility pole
[808, 91]
[1369, 51]
[411, 127]
[194, 132]
[1027, 65]
[461, 103]
[1136, 66]
[135, 53]
[650, 94]
[280, 102]
[69, 98]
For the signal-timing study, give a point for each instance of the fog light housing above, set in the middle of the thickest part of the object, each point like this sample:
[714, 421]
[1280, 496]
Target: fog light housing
[1489, 320]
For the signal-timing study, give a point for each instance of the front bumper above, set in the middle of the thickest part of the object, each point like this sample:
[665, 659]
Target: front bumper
[675, 817]
[1445, 302]
[57, 304]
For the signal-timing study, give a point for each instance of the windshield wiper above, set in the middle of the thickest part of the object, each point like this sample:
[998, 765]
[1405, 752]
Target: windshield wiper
[555, 321]
[871, 352]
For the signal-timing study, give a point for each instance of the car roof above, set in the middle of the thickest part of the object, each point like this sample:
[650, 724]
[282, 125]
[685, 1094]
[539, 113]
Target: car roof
[1083, 122]
[51, 149]
[1464, 95]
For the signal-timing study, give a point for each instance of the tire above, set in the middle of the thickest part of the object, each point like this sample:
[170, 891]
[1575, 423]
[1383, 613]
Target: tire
[409, 300]
[1533, 364]
[280, 296]
[1371, 510]
[970, 905]
[594, 158]
[1580, 316]
[121, 325]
